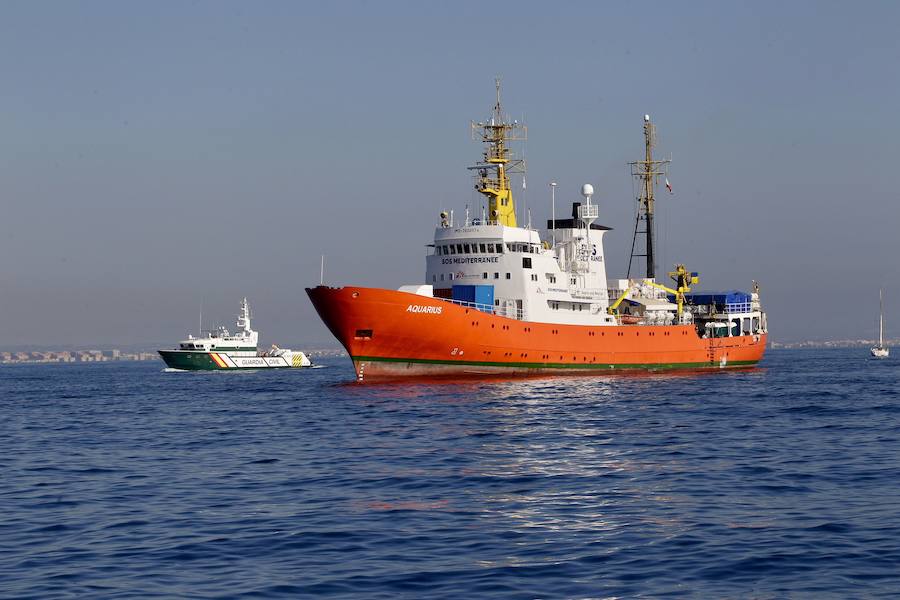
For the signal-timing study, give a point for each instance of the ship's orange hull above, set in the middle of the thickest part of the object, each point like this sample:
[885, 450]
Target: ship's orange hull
[391, 334]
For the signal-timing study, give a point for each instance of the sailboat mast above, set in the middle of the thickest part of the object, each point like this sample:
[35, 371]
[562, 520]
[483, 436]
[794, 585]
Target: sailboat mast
[880, 319]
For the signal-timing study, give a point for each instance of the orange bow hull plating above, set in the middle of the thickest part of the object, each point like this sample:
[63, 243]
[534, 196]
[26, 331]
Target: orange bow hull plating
[391, 334]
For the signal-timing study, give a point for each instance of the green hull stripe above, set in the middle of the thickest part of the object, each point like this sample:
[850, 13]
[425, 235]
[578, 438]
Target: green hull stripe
[189, 361]
[544, 365]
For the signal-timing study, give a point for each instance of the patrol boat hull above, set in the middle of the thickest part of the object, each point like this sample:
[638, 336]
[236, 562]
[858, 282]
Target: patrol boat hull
[215, 361]
[392, 334]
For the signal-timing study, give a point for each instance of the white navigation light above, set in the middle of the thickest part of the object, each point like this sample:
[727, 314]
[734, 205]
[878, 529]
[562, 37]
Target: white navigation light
[587, 190]
[646, 118]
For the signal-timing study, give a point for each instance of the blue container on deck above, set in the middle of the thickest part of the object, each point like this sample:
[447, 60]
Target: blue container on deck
[728, 301]
[477, 294]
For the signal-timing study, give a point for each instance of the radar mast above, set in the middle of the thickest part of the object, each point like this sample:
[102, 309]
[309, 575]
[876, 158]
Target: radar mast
[492, 174]
[647, 171]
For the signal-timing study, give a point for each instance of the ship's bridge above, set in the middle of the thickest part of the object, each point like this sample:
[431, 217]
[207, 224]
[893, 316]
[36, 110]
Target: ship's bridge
[521, 276]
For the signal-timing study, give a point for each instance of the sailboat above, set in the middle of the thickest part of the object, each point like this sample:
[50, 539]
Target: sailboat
[880, 351]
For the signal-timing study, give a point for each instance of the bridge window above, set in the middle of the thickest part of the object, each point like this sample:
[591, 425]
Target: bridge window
[482, 248]
[466, 249]
[452, 249]
[526, 262]
[459, 249]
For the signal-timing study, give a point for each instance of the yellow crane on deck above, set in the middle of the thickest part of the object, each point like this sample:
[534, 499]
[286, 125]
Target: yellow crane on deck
[683, 281]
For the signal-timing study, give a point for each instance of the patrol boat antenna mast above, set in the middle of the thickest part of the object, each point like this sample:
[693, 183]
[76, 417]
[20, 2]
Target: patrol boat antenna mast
[647, 171]
[492, 178]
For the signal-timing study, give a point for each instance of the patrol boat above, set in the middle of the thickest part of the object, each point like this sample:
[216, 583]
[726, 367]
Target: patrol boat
[221, 349]
[499, 300]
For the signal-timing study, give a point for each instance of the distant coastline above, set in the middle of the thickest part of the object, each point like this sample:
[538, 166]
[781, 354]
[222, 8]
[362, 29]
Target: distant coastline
[112, 355]
[829, 344]
[73, 356]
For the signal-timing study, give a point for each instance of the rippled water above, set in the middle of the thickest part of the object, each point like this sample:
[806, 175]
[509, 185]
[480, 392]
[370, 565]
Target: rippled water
[122, 480]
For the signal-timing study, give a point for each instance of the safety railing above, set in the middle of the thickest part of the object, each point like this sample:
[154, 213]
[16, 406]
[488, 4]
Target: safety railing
[500, 311]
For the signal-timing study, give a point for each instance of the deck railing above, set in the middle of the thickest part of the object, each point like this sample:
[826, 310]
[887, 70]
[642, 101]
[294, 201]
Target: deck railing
[500, 311]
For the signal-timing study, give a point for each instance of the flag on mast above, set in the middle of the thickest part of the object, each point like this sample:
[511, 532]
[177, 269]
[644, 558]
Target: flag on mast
[668, 185]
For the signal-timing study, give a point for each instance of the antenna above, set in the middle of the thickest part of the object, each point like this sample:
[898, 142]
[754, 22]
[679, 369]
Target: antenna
[200, 334]
[322, 271]
[647, 171]
[493, 171]
[553, 210]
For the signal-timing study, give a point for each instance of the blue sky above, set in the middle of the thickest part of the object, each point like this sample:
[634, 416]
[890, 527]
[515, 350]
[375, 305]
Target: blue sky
[159, 155]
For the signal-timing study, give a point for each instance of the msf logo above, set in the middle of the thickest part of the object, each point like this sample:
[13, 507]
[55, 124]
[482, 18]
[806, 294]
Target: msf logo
[416, 308]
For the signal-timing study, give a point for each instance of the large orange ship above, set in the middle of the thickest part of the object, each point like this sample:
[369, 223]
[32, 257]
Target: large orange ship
[499, 300]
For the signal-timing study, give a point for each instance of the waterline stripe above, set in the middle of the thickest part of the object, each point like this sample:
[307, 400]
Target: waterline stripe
[547, 365]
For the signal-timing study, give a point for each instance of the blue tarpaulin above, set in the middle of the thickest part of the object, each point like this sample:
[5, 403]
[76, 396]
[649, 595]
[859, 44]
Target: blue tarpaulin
[729, 297]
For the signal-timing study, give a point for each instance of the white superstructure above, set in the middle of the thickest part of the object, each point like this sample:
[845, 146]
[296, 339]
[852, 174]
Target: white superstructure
[241, 343]
[532, 281]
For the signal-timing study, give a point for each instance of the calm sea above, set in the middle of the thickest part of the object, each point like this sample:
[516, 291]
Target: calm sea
[126, 481]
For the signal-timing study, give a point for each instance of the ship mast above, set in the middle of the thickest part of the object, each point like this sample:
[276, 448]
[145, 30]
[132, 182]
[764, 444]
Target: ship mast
[493, 172]
[647, 171]
[243, 321]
